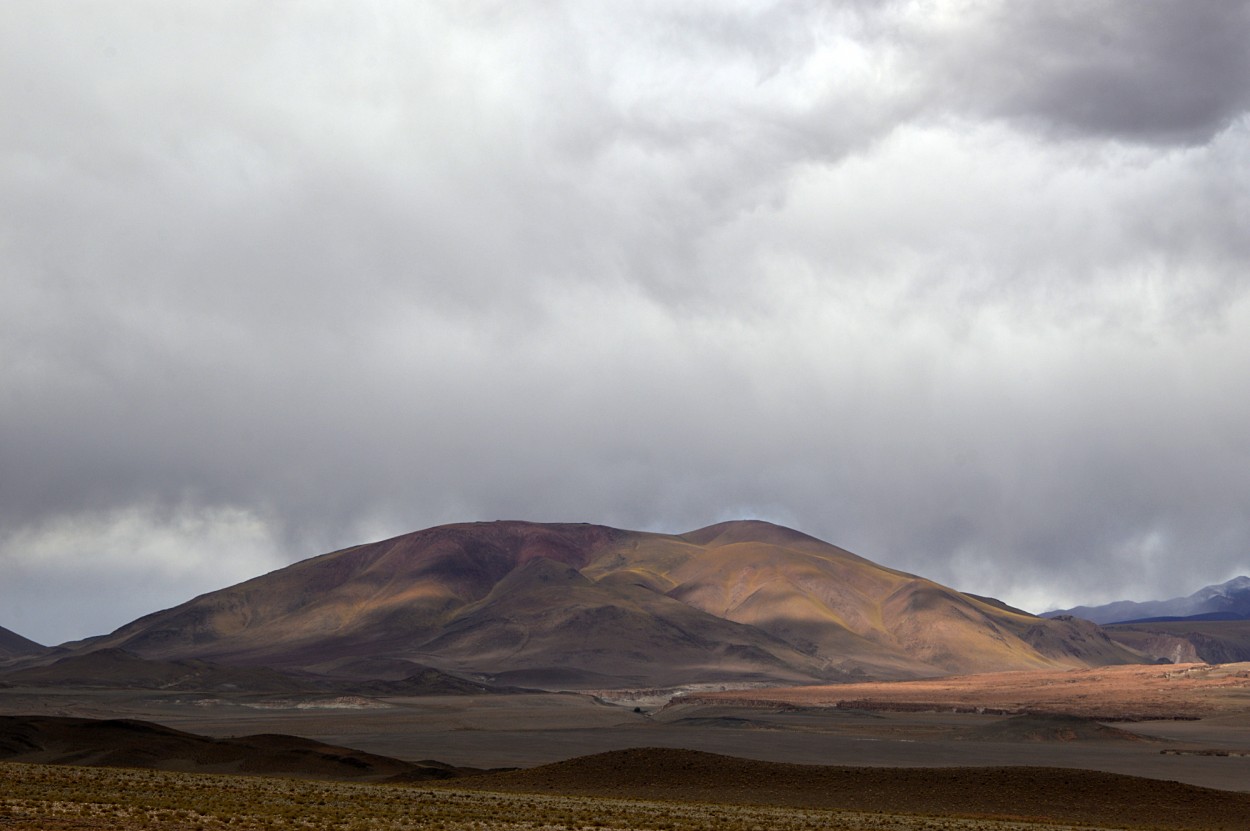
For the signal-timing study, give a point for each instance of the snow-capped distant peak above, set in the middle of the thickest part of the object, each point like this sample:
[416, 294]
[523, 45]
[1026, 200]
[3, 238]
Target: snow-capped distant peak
[1226, 589]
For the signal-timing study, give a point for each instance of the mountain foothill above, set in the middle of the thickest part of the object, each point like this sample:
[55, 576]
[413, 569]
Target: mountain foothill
[1212, 625]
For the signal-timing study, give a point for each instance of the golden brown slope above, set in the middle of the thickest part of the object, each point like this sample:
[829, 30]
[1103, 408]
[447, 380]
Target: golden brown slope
[859, 616]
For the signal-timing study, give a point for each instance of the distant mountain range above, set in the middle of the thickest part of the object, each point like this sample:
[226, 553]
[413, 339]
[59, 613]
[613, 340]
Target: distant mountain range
[586, 606]
[1226, 601]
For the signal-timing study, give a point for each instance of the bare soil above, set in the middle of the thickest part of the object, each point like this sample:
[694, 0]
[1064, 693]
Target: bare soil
[1203, 738]
[1123, 693]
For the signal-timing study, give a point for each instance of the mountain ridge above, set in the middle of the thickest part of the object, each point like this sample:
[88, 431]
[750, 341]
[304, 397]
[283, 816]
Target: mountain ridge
[1229, 597]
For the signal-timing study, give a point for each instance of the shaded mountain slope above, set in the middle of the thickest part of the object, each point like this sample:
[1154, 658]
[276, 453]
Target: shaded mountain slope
[1187, 641]
[584, 605]
[13, 645]
[141, 744]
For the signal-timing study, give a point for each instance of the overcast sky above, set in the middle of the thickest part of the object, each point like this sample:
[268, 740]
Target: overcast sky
[963, 287]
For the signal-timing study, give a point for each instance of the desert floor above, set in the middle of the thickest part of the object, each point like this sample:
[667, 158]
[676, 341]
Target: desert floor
[78, 799]
[1204, 740]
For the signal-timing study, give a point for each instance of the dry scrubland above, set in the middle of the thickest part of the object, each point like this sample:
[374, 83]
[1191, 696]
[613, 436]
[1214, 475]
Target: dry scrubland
[47, 798]
[1124, 693]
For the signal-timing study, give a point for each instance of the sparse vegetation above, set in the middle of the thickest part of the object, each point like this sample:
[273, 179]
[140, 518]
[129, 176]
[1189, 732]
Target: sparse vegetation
[39, 798]
[1127, 693]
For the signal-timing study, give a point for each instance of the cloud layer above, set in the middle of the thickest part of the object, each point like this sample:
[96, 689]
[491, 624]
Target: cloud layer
[958, 286]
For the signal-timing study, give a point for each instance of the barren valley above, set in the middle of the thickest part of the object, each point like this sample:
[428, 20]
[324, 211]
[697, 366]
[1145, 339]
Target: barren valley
[1197, 732]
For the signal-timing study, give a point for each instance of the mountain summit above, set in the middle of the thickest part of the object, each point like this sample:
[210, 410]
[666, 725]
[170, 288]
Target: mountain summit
[1229, 600]
[575, 605]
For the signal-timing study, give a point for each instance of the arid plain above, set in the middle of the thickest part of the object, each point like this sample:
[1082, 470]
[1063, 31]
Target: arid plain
[1187, 723]
[904, 755]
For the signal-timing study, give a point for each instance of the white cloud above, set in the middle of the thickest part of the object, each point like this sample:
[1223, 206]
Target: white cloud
[351, 272]
[86, 574]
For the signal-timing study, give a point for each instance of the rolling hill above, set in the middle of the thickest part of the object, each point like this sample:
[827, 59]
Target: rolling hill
[141, 744]
[1019, 794]
[584, 606]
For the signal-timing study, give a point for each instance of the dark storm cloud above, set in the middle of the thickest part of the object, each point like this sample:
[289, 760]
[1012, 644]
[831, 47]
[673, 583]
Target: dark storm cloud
[1141, 72]
[944, 286]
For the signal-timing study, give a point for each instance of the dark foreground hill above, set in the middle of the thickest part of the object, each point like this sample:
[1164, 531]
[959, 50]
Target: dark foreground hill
[568, 606]
[1053, 794]
[673, 776]
[142, 744]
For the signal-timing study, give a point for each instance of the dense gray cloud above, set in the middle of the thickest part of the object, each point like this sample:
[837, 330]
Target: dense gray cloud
[1149, 72]
[961, 288]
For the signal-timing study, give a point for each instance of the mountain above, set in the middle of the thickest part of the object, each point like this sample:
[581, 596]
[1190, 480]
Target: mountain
[584, 606]
[13, 645]
[1230, 599]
